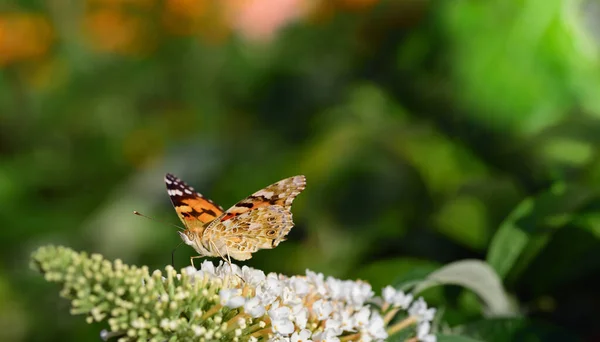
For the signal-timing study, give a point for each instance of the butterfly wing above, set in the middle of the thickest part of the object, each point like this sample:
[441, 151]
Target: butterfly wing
[260, 221]
[281, 194]
[242, 235]
[191, 207]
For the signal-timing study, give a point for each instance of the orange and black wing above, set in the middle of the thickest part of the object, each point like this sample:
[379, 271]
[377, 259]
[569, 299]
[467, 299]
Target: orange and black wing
[190, 205]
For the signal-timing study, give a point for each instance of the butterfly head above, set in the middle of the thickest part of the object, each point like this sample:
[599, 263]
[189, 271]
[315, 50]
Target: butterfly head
[187, 237]
[191, 238]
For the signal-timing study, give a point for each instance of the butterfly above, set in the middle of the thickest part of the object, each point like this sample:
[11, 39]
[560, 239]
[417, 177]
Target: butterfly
[260, 221]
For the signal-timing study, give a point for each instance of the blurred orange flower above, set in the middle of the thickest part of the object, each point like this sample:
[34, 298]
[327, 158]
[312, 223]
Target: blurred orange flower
[184, 16]
[196, 17]
[23, 36]
[119, 25]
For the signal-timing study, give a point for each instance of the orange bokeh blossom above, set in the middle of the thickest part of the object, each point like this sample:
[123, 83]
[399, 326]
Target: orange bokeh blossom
[23, 36]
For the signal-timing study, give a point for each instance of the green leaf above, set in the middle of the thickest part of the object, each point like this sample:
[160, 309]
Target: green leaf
[513, 329]
[455, 338]
[509, 241]
[528, 229]
[476, 276]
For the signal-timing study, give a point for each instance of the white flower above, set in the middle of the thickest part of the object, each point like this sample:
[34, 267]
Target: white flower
[326, 336]
[419, 310]
[299, 285]
[360, 293]
[396, 298]
[208, 267]
[300, 315]
[289, 296]
[232, 298]
[322, 309]
[361, 318]
[190, 270]
[302, 336]
[334, 325]
[346, 319]
[253, 276]
[335, 288]
[254, 308]
[269, 290]
[280, 319]
[376, 327]
[317, 281]
[423, 334]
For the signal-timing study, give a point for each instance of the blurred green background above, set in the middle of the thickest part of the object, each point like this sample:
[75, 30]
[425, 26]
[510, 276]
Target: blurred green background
[429, 132]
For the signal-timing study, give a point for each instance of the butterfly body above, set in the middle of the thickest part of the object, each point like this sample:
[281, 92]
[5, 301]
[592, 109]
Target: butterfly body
[260, 221]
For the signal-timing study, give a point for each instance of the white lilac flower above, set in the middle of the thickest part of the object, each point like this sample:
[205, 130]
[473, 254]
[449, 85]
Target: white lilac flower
[232, 298]
[361, 318]
[326, 336]
[300, 315]
[253, 276]
[290, 297]
[423, 334]
[254, 308]
[299, 285]
[360, 292]
[322, 309]
[419, 309]
[375, 328]
[301, 336]
[396, 298]
[280, 318]
[226, 302]
[317, 281]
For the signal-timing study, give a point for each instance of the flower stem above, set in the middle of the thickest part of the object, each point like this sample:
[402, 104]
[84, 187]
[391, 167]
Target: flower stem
[390, 315]
[353, 337]
[401, 325]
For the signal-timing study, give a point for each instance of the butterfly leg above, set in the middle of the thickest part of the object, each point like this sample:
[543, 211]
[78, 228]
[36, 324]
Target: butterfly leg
[221, 255]
[194, 257]
[228, 260]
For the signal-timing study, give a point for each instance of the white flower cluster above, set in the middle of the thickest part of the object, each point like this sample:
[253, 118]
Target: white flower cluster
[229, 303]
[311, 307]
[416, 309]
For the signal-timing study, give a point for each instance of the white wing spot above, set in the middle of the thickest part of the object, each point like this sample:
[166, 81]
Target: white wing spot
[266, 194]
[168, 181]
[254, 225]
[175, 192]
[187, 191]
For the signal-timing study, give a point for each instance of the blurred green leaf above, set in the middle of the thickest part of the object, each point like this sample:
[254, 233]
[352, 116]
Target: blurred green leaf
[455, 338]
[513, 329]
[476, 276]
[509, 241]
[530, 226]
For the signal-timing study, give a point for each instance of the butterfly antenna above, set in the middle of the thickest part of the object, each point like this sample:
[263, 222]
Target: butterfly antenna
[155, 220]
[173, 254]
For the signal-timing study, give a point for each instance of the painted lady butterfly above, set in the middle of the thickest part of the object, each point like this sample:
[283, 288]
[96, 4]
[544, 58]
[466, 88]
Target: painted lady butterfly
[260, 221]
